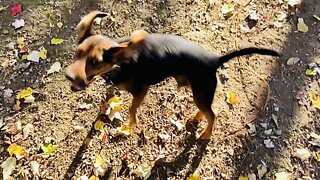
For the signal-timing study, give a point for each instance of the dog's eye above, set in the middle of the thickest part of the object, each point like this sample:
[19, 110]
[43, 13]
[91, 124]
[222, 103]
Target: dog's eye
[93, 62]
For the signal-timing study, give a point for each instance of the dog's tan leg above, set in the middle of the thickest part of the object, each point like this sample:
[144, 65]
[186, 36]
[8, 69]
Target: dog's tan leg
[198, 117]
[136, 102]
[206, 134]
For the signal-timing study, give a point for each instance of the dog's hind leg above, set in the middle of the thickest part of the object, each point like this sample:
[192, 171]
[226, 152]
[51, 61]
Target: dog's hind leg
[203, 93]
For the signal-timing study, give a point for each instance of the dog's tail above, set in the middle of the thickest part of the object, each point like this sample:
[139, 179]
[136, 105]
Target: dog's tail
[245, 51]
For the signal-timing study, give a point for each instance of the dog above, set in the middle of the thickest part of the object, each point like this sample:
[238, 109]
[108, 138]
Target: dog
[134, 63]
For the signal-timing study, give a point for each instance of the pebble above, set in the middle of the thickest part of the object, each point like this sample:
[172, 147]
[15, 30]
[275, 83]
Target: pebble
[278, 132]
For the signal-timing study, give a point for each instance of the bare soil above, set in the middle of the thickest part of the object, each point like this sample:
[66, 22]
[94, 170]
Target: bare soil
[264, 87]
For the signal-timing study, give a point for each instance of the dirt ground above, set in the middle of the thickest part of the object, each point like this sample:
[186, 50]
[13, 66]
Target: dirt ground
[265, 88]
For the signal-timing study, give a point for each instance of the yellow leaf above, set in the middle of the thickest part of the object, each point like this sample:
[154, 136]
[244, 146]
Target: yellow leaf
[98, 125]
[99, 160]
[115, 103]
[24, 93]
[227, 10]
[124, 130]
[100, 167]
[302, 27]
[317, 156]
[94, 178]
[20, 40]
[193, 177]
[315, 100]
[56, 41]
[232, 98]
[25, 56]
[16, 150]
[43, 53]
[243, 178]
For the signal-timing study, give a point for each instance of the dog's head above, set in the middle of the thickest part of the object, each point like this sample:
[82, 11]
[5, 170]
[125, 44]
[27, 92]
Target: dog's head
[97, 54]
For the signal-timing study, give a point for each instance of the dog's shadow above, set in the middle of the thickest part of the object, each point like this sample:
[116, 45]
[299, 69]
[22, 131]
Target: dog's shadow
[163, 169]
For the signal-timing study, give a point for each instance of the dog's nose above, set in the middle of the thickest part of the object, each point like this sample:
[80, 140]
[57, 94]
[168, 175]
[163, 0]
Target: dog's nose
[69, 78]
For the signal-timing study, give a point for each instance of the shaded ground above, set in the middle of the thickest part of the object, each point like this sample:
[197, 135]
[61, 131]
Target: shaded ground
[231, 152]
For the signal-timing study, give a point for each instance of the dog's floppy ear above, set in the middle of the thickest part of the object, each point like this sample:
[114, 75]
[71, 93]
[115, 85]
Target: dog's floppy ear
[84, 28]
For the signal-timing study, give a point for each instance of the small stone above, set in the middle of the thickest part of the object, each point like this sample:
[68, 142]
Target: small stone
[278, 132]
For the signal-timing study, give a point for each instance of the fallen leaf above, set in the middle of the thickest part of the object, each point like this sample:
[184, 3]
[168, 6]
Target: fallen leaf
[283, 176]
[85, 106]
[35, 168]
[314, 135]
[115, 103]
[316, 17]
[268, 132]
[18, 23]
[193, 176]
[100, 167]
[252, 128]
[164, 136]
[25, 56]
[262, 170]
[275, 119]
[78, 128]
[232, 99]
[93, 177]
[115, 115]
[24, 93]
[86, 178]
[43, 53]
[293, 3]
[59, 25]
[227, 10]
[5, 63]
[55, 67]
[48, 148]
[268, 143]
[302, 153]
[178, 124]
[20, 42]
[99, 125]
[2, 8]
[15, 9]
[243, 178]
[56, 41]
[252, 176]
[27, 130]
[280, 16]
[293, 61]
[29, 99]
[16, 150]
[14, 129]
[16, 106]
[302, 27]
[124, 130]
[315, 100]
[311, 72]
[144, 171]
[317, 156]
[8, 166]
[34, 56]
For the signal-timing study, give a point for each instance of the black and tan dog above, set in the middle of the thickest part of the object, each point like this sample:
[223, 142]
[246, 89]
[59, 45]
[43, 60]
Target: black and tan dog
[136, 62]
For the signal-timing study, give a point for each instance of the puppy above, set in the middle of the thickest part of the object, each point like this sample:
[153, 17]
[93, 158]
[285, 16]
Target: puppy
[136, 62]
